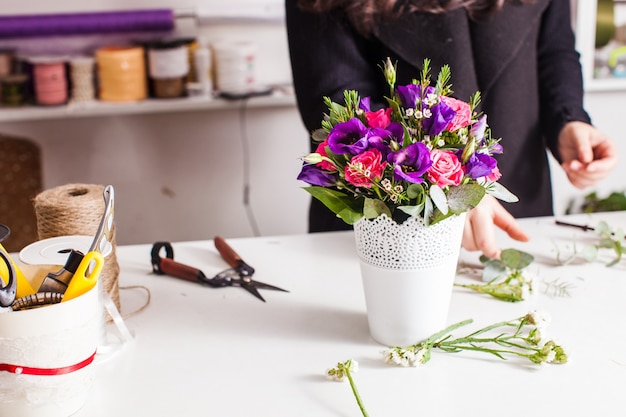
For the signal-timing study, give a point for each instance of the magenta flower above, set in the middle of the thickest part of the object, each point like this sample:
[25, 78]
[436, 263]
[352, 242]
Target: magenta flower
[364, 169]
[411, 162]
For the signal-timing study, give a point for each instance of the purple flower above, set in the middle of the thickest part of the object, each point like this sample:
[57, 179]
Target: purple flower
[348, 137]
[480, 165]
[364, 104]
[442, 114]
[411, 162]
[397, 131]
[381, 138]
[478, 128]
[313, 175]
[409, 95]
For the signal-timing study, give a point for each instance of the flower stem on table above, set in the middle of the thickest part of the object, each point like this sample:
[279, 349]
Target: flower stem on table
[520, 337]
[345, 369]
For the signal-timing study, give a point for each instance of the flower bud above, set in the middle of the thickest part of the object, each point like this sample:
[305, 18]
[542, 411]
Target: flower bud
[468, 151]
[390, 72]
[313, 158]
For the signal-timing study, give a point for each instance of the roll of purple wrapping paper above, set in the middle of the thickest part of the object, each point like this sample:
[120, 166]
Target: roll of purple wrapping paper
[26, 26]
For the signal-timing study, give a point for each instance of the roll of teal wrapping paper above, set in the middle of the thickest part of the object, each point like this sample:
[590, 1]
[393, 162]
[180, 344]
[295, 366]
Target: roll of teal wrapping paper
[25, 26]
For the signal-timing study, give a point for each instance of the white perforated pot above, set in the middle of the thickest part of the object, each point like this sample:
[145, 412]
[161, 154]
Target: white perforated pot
[408, 274]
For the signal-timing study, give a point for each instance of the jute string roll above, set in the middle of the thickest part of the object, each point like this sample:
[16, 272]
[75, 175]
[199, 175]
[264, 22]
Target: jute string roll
[77, 209]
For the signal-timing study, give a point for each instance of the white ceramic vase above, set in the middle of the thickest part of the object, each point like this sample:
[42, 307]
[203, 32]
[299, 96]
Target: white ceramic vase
[408, 274]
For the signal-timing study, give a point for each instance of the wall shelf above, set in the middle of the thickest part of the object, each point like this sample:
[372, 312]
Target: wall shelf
[100, 108]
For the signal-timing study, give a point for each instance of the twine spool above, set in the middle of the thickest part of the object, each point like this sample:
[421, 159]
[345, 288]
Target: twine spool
[82, 79]
[121, 73]
[77, 209]
[49, 79]
[234, 66]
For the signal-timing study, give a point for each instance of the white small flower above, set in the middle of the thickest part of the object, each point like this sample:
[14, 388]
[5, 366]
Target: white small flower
[441, 142]
[427, 113]
[409, 112]
[540, 319]
[431, 99]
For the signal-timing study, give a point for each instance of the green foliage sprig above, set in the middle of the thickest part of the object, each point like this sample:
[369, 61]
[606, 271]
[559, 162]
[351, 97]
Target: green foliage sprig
[505, 278]
[608, 238]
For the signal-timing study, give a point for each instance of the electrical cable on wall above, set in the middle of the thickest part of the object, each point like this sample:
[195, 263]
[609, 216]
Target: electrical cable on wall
[245, 145]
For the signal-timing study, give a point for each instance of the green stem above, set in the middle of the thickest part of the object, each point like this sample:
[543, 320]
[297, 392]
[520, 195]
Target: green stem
[431, 340]
[355, 391]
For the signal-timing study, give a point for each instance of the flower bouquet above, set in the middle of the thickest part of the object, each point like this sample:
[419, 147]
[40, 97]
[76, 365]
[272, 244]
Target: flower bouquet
[425, 154]
[405, 175]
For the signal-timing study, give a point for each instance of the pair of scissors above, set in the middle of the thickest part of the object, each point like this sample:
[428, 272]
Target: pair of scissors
[238, 275]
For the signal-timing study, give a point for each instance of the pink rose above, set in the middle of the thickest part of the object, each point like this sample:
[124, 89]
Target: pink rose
[446, 168]
[365, 168]
[380, 118]
[325, 165]
[495, 175]
[463, 113]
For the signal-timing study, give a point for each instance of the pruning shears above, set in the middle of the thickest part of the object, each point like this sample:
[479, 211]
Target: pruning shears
[238, 275]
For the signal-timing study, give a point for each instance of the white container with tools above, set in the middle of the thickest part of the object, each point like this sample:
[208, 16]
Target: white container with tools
[46, 356]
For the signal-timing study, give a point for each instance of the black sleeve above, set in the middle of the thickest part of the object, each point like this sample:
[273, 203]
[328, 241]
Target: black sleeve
[327, 57]
[560, 76]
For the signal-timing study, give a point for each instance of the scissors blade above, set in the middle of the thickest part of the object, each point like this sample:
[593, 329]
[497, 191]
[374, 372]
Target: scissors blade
[251, 288]
[264, 286]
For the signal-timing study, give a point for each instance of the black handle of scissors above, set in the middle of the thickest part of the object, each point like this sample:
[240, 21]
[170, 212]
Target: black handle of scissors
[168, 266]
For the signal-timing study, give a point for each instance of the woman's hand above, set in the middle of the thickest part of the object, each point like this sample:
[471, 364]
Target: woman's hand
[588, 155]
[479, 232]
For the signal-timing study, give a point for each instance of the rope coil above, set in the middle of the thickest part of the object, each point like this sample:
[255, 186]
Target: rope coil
[77, 209]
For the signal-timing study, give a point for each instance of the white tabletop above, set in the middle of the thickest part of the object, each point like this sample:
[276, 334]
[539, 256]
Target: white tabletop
[200, 351]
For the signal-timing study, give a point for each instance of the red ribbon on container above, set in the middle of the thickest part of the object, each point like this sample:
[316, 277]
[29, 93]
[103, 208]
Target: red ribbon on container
[26, 370]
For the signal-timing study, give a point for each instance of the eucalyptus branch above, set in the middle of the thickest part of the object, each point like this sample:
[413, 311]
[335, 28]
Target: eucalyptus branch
[506, 278]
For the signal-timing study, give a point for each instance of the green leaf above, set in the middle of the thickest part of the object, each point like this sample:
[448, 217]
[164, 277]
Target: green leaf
[516, 259]
[465, 197]
[428, 210]
[415, 191]
[346, 207]
[414, 211]
[493, 269]
[500, 192]
[439, 198]
[373, 208]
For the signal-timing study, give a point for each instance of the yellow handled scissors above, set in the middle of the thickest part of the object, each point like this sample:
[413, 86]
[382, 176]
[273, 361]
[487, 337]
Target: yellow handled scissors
[86, 275]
